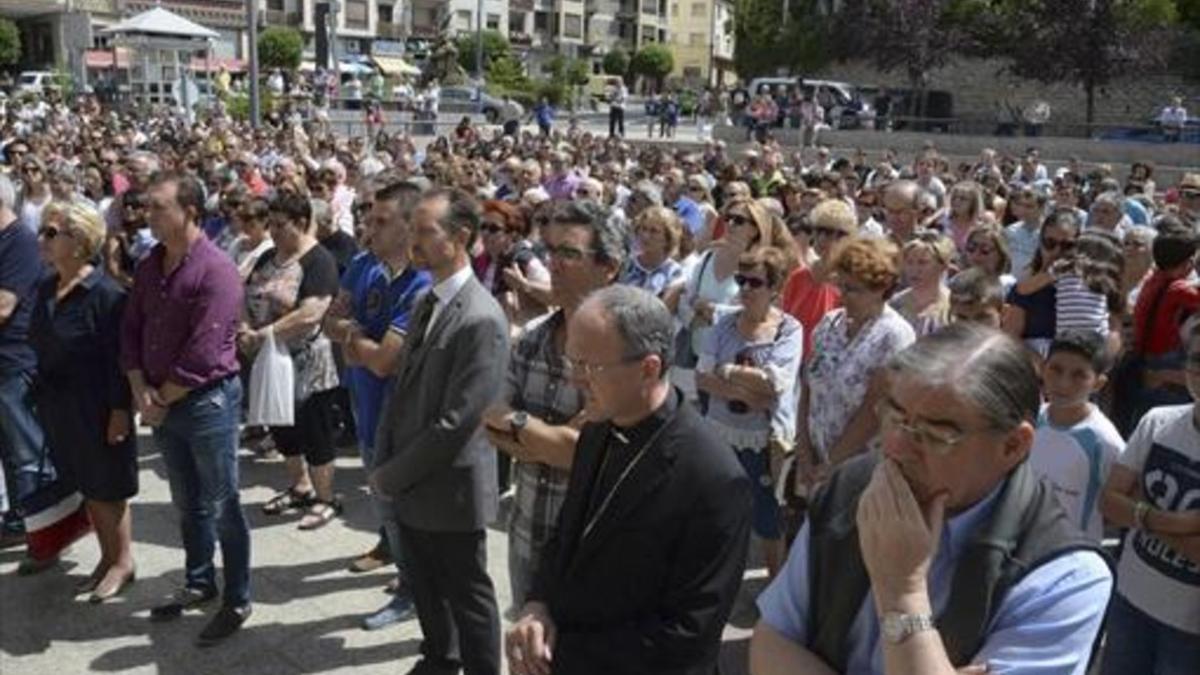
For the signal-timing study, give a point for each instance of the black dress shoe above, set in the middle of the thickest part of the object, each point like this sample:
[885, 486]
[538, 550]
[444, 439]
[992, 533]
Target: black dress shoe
[225, 623]
[428, 667]
[184, 598]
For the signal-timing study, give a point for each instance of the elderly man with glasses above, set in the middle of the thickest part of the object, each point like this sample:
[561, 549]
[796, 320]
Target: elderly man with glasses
[943, 553]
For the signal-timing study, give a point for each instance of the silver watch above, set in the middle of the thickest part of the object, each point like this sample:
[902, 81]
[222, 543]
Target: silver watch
[897, 627]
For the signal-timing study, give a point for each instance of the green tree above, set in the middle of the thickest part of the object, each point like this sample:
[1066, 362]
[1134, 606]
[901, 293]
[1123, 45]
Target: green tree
[616, 62]
[506, 73]
[10, 43]
[653, 61]
[495, 46]
[1083, 42]
[280, 47]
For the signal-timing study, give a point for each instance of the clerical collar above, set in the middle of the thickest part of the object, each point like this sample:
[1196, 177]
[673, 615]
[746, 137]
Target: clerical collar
[641, 431]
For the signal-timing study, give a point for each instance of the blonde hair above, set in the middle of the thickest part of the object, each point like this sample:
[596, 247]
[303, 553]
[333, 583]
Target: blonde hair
[86, 226]
[938, 246]
[834, 214]
[668, 220]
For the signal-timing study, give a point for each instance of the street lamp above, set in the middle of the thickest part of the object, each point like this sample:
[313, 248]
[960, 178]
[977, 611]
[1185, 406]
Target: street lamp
[252, 47]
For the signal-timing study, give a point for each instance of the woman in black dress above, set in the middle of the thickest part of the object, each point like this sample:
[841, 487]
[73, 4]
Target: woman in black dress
[82, 396]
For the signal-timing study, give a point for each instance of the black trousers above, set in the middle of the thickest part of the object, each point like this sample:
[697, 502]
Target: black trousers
[456, 602]
[616, 121]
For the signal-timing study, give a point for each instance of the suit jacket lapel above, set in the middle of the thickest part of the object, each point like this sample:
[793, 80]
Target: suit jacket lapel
[643, 480]
[450, 312]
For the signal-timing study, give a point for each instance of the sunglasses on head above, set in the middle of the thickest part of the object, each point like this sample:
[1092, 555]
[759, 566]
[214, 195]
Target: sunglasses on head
[827, 232]
[745, 281]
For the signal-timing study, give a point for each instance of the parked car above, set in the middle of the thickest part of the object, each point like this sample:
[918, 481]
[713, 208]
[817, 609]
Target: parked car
[34, 81]
[466, 100]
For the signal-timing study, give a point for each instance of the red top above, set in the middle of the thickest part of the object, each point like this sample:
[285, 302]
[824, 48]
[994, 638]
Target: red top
[809, 301]
[1180, 298]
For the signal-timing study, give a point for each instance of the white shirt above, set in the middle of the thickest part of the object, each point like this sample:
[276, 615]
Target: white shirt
[445, 290]
[1076, 460]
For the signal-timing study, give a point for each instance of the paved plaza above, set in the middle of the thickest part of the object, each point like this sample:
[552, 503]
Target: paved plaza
[307, 607]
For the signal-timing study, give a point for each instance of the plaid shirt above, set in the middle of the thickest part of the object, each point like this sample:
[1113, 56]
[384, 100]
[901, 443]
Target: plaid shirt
[537, 383]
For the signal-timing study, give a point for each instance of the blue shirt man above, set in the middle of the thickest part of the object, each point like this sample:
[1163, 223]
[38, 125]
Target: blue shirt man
[381, 301]
[914, 532]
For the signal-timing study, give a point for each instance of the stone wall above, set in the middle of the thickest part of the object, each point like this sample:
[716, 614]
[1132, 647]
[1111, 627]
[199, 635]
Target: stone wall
[978, 85]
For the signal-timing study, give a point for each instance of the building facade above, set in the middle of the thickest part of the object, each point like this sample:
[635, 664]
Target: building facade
[702, 41]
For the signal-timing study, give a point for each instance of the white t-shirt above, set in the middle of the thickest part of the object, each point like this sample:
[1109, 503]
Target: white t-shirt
[1164, 452]
[1076, 461]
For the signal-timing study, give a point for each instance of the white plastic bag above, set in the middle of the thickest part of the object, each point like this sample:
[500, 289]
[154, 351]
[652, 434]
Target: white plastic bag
[272, 386]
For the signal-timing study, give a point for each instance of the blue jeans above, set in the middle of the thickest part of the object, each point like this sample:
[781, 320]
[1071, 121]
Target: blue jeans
[198, 441]
[21, 440]
[1138, 643]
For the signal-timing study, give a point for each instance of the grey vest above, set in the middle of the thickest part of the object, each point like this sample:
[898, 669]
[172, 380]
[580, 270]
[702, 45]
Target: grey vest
[1026, 529]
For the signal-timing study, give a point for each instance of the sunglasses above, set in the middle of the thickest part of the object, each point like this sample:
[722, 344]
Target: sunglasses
[31, 169]
[736, 220]
[1058, 244]
[491, 228]
[827, 232]
[744, 281]
[50, 233]
[981, 249]
[1189, 194]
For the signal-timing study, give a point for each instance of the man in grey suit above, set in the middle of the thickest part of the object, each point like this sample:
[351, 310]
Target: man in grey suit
[432, 457]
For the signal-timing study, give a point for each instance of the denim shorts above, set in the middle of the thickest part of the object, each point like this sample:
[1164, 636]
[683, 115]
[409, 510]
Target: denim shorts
[757, 463]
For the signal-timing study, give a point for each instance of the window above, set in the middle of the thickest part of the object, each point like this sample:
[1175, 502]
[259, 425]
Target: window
[463, 19]
[649, 6]
[572, 25]
[275, 5]
[356, 14]
[516, 22]
[699, 9]
[648, 34]
[493, 21]
[541, 21]
[386, 13]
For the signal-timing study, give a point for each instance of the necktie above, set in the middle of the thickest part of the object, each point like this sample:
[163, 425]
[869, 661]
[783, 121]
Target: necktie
[421, 320]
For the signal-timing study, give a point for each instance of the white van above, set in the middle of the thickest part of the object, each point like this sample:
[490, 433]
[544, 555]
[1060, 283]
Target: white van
[844, 108]
[34, 81]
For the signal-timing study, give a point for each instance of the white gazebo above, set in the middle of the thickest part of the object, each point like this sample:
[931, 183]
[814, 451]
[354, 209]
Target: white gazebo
[161, 45]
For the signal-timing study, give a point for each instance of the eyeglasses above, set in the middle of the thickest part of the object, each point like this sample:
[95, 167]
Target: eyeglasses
[745, 281]
[582, 369]
[981, 249]
[50, 233]
[1058, 244]
[924, 436]
[737, 220]
[567, 253]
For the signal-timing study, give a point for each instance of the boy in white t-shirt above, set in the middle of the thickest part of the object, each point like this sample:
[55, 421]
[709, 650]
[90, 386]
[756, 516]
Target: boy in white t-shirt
[1076, 445]
[1154, 490]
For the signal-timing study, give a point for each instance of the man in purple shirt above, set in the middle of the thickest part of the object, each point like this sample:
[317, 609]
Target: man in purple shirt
[563, 179]
[178, 348]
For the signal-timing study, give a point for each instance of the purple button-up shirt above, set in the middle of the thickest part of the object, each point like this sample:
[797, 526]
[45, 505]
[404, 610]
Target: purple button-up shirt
[563, 187]
[182, 327]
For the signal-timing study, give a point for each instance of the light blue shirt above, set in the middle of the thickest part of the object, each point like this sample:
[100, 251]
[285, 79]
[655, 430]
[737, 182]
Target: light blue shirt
[1045, 625]
[1023, 243]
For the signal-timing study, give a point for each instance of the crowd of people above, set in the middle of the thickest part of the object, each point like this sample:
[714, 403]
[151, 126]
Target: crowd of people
[949, 403]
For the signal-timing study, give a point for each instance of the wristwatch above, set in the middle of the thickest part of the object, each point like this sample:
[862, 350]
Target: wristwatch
[898, 627]
[516, 422]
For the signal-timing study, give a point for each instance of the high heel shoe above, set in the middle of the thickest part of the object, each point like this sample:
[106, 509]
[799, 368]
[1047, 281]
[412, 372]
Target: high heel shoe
[90, 583]
[107, 591]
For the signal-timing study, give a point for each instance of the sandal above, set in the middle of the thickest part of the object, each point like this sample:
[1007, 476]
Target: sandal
[288, 500]
[320, 513]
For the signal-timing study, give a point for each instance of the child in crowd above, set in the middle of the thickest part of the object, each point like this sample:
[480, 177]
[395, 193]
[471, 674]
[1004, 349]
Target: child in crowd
[976, 296]
[1076, 444]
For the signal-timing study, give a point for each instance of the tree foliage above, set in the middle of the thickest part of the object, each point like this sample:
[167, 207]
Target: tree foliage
[280, 47]
[1088, 43]
[653, 61]
[10, 43]
[616, 62]
[495, 46]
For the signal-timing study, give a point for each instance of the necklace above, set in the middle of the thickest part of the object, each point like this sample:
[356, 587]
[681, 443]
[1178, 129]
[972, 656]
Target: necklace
[637, 458]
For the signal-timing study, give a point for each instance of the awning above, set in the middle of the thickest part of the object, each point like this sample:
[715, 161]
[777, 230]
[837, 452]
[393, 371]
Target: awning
[394, 65]
[344, 67]
[101, 59]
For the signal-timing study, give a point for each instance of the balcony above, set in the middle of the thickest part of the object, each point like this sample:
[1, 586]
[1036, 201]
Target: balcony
[519, 39]
[392, 31]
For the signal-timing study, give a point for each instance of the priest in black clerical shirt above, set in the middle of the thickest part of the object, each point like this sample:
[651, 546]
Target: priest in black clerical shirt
[651, 545]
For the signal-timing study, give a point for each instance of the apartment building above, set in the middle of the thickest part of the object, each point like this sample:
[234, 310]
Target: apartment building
[702, 41]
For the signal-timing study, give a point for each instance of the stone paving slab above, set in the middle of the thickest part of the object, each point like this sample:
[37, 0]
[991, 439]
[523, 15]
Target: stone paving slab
[307, 608]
